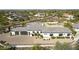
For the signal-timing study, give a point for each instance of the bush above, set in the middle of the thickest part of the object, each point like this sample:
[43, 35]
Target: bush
[68, 25]
[23, 23]
[53, 37]
[41, 36]
[38, 47]
[60, 37]
[62, 46]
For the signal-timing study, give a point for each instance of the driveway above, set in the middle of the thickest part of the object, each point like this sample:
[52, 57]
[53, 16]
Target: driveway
[26, 40]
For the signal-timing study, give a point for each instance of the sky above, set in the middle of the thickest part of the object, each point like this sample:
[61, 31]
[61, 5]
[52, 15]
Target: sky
[39, 4]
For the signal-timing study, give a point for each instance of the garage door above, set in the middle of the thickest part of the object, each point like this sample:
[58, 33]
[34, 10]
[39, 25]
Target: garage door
[24, 33]
[16, 33]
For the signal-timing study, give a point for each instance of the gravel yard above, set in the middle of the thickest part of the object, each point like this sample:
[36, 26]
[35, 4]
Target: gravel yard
[26, 40]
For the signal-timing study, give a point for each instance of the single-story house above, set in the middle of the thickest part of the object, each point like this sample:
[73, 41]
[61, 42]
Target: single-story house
[13, 15]
[46, 32]
[40, 15]
[68, 16]
[52, 18]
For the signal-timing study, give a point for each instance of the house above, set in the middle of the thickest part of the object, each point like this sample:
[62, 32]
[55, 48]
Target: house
[13, 15]
[46, 32]
[40, 15]
[9, 18]
[68, 16]
[76, 27]
[52, 18]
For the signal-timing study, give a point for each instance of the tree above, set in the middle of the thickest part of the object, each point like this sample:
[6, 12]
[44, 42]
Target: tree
[62, 46]
[4, 45]
[23, 23]
[4, 22]
[68, 25]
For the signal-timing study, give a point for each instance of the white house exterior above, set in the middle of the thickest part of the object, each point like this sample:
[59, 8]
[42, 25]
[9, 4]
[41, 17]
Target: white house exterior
[40, 15]
[68, 16]
[46, 32]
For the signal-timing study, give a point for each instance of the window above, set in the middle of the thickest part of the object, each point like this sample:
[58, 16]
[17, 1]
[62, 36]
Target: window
[60, 34]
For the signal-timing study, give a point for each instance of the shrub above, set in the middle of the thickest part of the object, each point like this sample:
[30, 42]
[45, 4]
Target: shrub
[38, 47]
[53, 37]
[62, 46]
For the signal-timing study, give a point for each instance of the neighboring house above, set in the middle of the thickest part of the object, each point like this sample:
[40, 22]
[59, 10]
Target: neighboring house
[68, 16]
[40, 15]
[53, 18]
[46, 32]
[9, 18]
[76, 27]
[12, 15]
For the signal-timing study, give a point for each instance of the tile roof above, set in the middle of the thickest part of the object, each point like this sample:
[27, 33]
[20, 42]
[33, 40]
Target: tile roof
[37, 26]
[56, 30]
